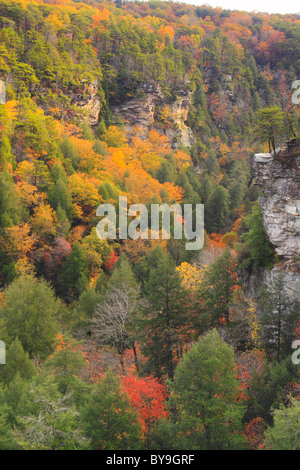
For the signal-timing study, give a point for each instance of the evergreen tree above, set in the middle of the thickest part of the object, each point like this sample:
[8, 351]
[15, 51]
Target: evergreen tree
[278, 317]
[61, 197]
[164, 318]
[268, 389]
[9, 201]
[107, 418]
[218, 290]
[204, 395]
[17, 362]
[258, 251]
[73, 276]
[217, 210]
[30, 311]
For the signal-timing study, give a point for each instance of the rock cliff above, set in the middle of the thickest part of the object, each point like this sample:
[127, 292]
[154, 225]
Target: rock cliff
[150, 110]
[89, 103]
[278, 176]
[279, 179]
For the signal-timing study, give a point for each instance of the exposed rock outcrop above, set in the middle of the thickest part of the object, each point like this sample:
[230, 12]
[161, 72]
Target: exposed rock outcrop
[278, 176]
[140, 111]
[180, 133]
[279, 179]
[89, 103]
[150, 110]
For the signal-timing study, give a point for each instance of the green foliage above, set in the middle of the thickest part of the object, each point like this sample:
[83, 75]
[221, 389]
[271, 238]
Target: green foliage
[278, 316]
[30, 312]
[270, 126]
[217, 210]
[227, 76]
[163, 318]
[285, 433]
[257, 250]
[218, 290]
[72, 278]
[52, 423]
[204, 393]
[17, 363]
[107, 418]
[9, 202]
[269, 389]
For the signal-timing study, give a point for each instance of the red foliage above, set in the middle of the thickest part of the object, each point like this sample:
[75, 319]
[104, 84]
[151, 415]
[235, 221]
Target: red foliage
[147, 396]
[254, 433]
[110, 261]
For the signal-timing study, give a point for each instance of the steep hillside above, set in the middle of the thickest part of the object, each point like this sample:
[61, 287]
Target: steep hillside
[139, 343]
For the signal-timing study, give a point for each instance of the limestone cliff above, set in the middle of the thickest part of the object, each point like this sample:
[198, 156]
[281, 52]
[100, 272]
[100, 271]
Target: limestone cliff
[278, 176]
[150, 110]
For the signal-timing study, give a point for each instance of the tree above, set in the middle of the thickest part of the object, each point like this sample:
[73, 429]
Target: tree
[67, 363]
[17, 362]
[257, 250]
[204, 394]
[94, 251]
[108, 419]
[9, 201]
[279, 316]
[30, 311]
[285, 433]
[113, 323]
[7, 436]
[217, 210]
[73, 277]
[61, 196]
[219, 289]
[53, 421]
[163, 321]
[270, 126]
[148, 397]
[114, 320]
[54, 257]
[269, 388]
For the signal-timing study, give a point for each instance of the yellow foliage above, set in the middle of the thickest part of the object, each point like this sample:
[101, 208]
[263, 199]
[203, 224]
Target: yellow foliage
[191, 275]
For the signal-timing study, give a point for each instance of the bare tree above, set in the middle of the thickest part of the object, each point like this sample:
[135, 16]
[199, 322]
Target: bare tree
[51, 428]
[113, 323]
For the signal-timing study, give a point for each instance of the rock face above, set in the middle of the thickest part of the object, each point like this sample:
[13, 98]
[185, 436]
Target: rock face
[279, 179]
[179, 110]
[278, 176]
[146, 112]
[89, 103]
[140, 111]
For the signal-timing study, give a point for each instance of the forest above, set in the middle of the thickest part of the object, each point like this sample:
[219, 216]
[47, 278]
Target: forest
[142, 344]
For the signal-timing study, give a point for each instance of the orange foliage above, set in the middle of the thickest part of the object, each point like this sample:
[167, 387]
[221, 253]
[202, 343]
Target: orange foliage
[216, 241]
[147, 396]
